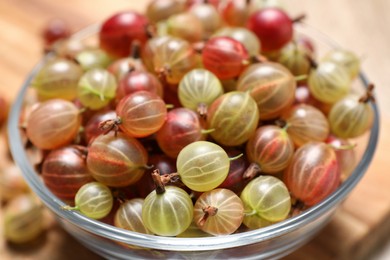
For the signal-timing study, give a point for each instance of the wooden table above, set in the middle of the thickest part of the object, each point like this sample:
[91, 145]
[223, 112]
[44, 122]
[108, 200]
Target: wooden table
[360, 226]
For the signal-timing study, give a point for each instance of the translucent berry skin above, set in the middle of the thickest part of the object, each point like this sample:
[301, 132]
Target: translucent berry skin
[202, 165]
[350, 118]
[235, 12]
[266, 197]
[55, 30]
[169, 213]
[294, 57]
[270, 148]
[142, 113]
[173, 58]
[345, 58]
[208, 16]
[23, 219]
[96, 88]
[120, 67]
[313, 173]
[129, 216]
[228, 217]
[199, 86]
[159, 10]
[306, 123]
[243, 35]
[53, 119]
[225, 57]
[91, 128]
[235, 181]
[138, 81]
[58, 79]
[94, 200]
[272, 26]
[120, 30]
[177, 26]
[116, 161]
[64, 172]
[271, 85]
[182, 127]
[149, 50]
[234, 116]
[329, 82]
[346, 158]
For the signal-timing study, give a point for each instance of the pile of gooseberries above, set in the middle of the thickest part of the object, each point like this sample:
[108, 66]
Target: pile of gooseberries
[207, 115]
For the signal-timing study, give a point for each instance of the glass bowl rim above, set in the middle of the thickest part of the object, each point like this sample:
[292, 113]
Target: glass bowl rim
[184, 244]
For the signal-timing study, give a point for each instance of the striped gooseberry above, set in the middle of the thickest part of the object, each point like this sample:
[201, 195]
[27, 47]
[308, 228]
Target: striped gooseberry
[96, 88]
[329, 82]
[23, 219]
[167, 211]
[137, 81]
[64, 171]
[218, 212]
[138, 115]
[53, 123]
[198, 89]
[266, 198]
[352, 116]
[306, 123]
[182, 127]
[313, 173]
[120, 30]
[116, 160]
[93, 200]
[58, 79]
[234, 117]
[173, 58]
[271, 85]
[129, 216]
[202, 165]
[269, 150]
[225, 57]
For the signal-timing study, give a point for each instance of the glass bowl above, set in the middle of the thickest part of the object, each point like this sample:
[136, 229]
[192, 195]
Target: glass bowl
[274, 241]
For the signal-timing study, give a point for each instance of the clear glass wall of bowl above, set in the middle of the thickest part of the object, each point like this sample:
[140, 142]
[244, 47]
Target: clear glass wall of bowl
[270, 242]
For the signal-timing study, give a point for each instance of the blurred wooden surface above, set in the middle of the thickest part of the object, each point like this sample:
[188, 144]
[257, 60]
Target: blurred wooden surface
[358, 228]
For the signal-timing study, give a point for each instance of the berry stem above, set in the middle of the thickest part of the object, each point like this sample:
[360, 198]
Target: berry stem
[313, 63]
[299, 18]
[160, 187]
[202, 110]
[236, 157]
[208, 211]
[207, 131]
[110, 124]
[369, 96]
[135, 51]
[251, 171]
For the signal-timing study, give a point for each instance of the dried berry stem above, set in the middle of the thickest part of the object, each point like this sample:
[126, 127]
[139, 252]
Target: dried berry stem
[160, 187]
[208, 211]
[252, 171]
[299, 18]
[110, 124]
[369, 96]
[313, 63]
[202, 110]
[135, 49]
